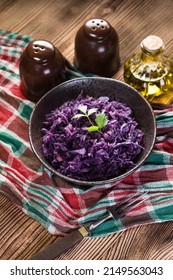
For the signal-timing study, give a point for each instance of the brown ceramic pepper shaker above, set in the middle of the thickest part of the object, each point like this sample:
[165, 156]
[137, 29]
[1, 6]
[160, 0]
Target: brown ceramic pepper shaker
[97, 48]
[41, 68]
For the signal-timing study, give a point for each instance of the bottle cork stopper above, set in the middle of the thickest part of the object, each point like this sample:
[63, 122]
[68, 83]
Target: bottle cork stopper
[152, 43]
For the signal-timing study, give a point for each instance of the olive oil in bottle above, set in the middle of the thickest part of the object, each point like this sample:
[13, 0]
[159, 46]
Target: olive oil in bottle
[150, 72]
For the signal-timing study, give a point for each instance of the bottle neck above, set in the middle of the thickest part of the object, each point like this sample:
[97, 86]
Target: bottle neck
[151, 56]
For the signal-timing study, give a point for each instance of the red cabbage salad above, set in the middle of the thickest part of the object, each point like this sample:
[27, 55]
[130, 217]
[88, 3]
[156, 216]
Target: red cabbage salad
[91, 139]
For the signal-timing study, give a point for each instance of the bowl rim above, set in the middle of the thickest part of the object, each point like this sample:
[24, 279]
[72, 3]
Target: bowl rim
[99, 182]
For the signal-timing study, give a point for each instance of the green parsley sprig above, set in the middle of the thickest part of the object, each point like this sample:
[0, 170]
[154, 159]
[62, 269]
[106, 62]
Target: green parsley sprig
[99, 122]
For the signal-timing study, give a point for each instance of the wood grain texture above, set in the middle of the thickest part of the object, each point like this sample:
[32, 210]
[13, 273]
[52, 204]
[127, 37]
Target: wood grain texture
[58, 21]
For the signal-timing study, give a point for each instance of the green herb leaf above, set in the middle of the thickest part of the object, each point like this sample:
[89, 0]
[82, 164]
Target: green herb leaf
[92, 128]
[91, 111]
[78, 116]
[101, 120]
[82, 108]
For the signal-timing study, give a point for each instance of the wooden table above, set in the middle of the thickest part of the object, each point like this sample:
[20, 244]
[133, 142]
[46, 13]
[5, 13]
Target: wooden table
[58, 21]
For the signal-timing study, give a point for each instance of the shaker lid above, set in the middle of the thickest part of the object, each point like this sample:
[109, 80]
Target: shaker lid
[152, 44]
[40, 51]
[97, 28]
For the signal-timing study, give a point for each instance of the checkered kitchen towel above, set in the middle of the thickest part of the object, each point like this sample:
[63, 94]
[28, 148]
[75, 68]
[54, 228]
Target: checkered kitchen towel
[65, 207]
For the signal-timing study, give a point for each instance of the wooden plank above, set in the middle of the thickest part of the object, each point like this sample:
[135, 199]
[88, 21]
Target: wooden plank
[21, 236]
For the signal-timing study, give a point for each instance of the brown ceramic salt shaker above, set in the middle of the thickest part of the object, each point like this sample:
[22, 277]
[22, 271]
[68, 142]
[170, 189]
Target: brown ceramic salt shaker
[97, 48]
[41, 68]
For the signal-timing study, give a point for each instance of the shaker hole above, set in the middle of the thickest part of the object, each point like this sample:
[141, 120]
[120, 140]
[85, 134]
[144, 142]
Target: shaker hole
[102, 27]
[98, 24]
[93, 28]
[101, 21]
[36, 51]
[35, 46]
[93, 21]
[42, 48]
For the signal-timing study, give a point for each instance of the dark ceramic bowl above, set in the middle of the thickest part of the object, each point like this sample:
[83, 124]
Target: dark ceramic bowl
[95, 87]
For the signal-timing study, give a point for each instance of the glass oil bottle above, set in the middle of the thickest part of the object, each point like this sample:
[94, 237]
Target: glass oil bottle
[150, 72]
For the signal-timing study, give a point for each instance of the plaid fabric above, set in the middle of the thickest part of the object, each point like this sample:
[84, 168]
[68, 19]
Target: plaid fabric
[63, 207]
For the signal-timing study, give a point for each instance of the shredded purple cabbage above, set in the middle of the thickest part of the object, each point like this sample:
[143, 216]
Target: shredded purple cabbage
[91, 156]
